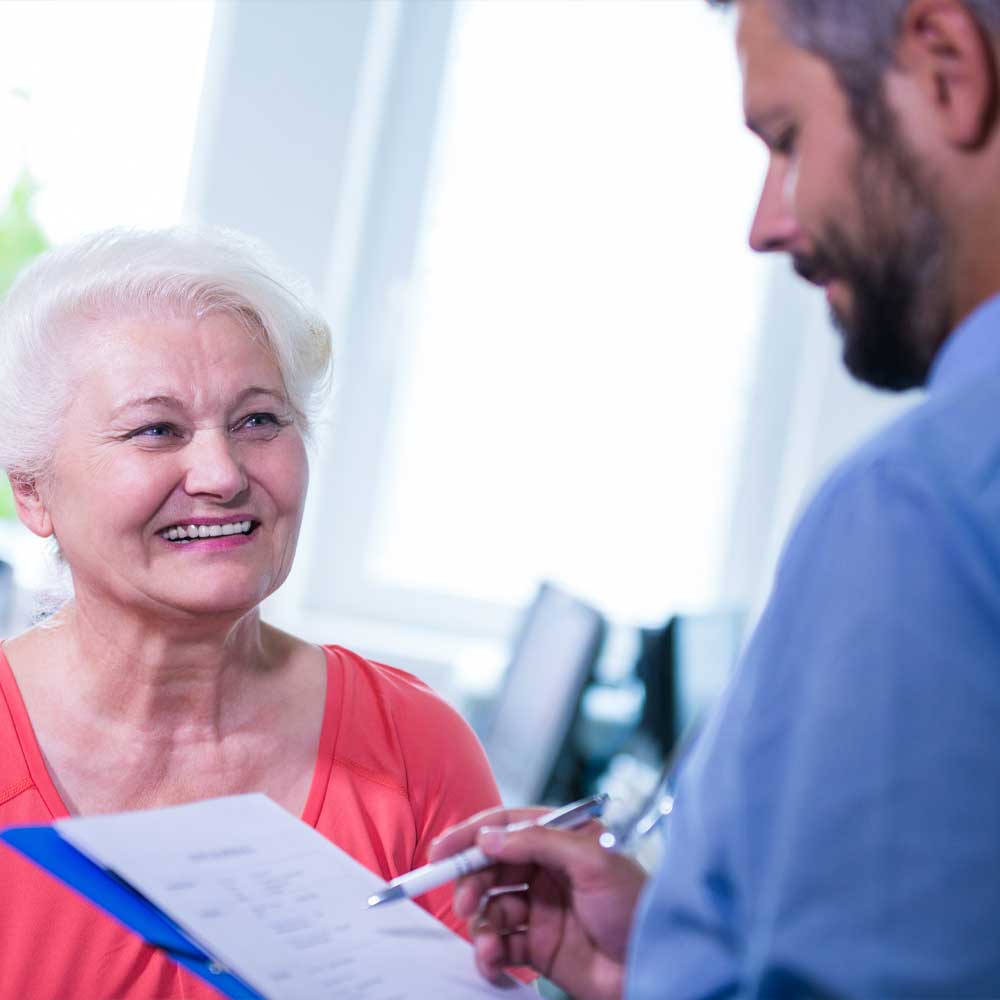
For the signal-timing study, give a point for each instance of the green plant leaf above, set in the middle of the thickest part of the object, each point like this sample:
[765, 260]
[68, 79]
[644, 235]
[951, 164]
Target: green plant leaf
[21, 238]
[6, 500]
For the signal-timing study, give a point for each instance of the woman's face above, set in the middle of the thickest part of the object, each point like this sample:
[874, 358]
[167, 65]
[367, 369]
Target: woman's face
[179, 428]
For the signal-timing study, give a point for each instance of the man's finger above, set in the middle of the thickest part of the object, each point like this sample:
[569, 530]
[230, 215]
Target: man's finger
[463, 835]
[517, 946]
[492, 955]
[501, 909]
[578, 856]
[470, 889]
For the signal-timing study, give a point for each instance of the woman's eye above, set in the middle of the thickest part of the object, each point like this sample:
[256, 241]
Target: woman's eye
[155, 431]
[259, 419]
[260, 424]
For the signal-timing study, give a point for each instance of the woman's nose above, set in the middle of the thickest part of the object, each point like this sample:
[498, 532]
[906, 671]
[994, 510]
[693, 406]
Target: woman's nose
[214, 468]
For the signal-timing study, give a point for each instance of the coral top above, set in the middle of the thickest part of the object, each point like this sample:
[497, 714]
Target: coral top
[395, 767]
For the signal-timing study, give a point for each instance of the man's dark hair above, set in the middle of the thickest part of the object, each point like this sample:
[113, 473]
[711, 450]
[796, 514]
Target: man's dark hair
[858, 39]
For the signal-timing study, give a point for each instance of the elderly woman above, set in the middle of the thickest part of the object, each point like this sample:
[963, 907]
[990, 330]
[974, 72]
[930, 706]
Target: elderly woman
[155, 389]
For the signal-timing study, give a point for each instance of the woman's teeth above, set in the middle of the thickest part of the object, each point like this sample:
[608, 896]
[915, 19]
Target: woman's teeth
[187, 533]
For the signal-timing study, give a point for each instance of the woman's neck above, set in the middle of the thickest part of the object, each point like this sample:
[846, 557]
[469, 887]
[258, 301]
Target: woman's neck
[191, 680]
[134, 718]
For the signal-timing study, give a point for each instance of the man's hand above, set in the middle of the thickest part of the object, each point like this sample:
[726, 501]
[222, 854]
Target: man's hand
[572, 921]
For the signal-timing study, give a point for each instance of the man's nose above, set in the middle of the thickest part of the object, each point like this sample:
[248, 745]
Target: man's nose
[214, 468]
[774, 227]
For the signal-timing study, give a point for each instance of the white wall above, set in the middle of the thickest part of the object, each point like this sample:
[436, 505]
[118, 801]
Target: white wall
[807, 414]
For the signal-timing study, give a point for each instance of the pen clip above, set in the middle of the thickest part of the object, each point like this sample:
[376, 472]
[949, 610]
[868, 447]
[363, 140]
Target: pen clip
[584, 809]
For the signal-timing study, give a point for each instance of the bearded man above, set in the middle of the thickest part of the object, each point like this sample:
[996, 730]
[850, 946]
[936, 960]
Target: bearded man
[836, 831]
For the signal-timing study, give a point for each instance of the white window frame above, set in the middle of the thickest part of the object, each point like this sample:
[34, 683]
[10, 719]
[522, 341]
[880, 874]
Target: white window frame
[346, 137]
[317, 135]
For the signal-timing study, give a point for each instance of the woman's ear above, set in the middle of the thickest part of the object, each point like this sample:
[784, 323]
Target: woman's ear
[30, 506]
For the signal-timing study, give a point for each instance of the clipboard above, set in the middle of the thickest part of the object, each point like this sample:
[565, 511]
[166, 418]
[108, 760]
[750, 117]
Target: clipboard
[44, 846]
[254, 902]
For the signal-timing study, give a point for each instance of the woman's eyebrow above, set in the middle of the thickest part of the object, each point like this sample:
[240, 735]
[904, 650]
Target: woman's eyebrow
[164, 399]
[136, 402]
[256, 390]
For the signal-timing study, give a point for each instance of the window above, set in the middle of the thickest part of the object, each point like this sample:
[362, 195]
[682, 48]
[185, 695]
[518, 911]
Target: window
[563, 347]
[99, 101]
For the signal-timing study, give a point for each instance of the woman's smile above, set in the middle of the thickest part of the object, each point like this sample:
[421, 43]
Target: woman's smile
[235, 530]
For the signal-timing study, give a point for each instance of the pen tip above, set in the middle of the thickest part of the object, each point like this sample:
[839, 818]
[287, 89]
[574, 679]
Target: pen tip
[386, 896]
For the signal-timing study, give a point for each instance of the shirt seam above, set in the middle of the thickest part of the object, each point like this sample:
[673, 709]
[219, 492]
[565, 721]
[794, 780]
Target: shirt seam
[29, 776]
[370, 775]
[312, 815]
[11, 792]
[30, 734]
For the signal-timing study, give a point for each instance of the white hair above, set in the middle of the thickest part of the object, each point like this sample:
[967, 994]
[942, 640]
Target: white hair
[184, 272]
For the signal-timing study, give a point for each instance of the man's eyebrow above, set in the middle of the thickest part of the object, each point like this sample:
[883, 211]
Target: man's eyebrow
[172, 402]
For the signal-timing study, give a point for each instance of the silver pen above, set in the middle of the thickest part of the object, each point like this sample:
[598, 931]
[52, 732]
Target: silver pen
[422, 880]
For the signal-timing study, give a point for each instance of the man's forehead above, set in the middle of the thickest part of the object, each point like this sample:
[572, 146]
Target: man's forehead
[759, 37]
[773, 68]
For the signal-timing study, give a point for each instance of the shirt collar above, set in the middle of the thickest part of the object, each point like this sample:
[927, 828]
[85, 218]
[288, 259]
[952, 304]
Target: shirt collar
[972, 347]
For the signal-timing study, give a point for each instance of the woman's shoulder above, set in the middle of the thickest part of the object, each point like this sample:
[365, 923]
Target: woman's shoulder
[392, 722]
[398, 697]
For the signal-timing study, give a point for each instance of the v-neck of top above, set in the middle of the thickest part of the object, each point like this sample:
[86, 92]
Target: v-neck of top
[41, 778]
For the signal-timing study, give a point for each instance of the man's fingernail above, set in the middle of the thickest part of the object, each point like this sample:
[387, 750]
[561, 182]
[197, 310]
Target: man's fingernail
[491, 838]
[462, 903]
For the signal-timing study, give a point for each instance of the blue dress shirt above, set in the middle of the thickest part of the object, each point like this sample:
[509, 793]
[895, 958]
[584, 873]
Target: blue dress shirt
[837, 828]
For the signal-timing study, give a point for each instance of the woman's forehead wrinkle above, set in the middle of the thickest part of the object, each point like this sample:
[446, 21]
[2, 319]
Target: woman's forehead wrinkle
[176, 366]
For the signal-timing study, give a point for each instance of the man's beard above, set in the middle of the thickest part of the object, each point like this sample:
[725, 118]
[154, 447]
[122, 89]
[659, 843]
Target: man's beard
[900, 309]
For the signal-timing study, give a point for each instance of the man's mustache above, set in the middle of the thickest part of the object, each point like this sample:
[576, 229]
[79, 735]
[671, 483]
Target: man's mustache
[813, 268]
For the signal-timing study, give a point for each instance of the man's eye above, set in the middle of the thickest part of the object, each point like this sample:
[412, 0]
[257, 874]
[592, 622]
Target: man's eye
[785, 142]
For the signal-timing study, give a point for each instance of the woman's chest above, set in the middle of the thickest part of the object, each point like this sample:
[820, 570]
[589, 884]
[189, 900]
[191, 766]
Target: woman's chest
[102, 775]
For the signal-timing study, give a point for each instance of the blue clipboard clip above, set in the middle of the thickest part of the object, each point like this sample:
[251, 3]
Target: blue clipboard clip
[44, 846]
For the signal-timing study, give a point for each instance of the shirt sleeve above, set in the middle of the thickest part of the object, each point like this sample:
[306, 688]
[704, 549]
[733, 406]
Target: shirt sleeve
[836, 831]
[449, 780]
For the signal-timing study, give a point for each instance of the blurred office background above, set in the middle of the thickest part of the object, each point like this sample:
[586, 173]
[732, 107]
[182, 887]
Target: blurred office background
[557, 360]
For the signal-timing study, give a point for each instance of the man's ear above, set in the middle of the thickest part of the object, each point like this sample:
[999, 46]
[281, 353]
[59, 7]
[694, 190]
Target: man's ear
[30, 506]
[946, 52]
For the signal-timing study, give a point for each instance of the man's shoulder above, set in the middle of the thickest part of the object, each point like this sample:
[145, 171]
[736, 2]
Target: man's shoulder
[946, 449]
[913, 515]
[892, 574]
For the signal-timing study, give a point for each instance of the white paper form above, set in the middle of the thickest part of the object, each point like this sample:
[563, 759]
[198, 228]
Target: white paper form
[278, 904]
